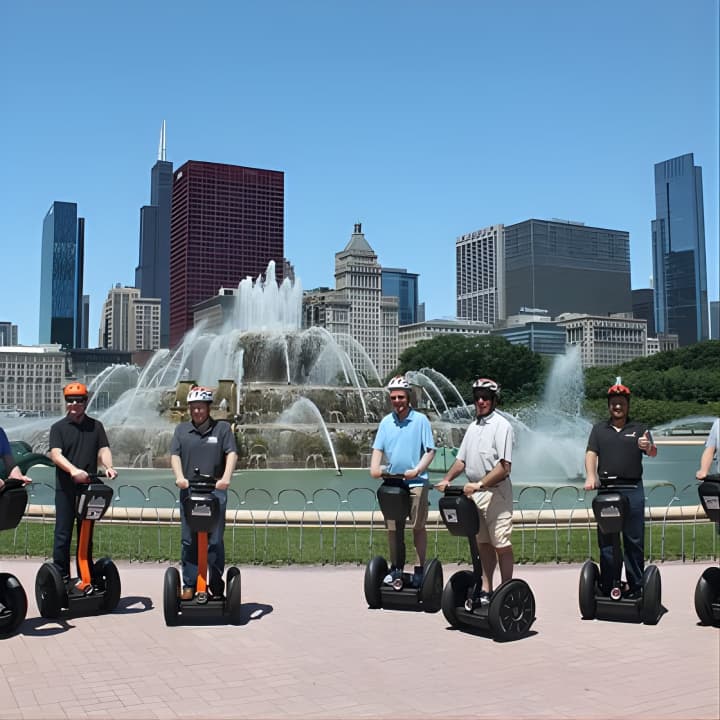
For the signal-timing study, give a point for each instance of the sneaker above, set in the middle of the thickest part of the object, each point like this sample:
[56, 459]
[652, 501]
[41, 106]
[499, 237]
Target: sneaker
[393, 573]
[417, 577]
[187, 593]
[481, 599]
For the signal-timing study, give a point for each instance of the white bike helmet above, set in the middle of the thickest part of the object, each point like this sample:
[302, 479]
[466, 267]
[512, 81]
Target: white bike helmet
[200, 394]
[486, 384]
[399, 383]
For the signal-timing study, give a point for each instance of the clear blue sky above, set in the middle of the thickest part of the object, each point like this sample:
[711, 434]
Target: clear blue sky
[422, 120]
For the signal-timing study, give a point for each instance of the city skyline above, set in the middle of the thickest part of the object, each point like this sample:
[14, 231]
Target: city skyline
[517, 113]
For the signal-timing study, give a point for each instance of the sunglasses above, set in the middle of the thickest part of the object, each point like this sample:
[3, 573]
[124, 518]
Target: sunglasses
[75, 401]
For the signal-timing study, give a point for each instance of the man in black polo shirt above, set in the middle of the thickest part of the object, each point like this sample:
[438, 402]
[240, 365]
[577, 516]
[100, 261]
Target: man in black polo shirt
[209, 446]
[614, 455]
[77, 443]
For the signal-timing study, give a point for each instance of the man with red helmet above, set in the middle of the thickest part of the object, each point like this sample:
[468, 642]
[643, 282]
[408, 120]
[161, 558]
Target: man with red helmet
[77, 444]
[614, 455]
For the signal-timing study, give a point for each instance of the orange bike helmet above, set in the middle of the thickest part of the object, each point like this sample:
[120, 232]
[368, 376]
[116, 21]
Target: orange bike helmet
[75, 389]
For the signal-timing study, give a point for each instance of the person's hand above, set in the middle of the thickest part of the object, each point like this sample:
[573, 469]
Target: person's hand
[15, 474]
[411, 474]
[440, 487]
[81, 477]
[591, 484]
[222, 484]
[183, 483]
[111, 473]
[471, 488]
[701, 475]
[644, 442]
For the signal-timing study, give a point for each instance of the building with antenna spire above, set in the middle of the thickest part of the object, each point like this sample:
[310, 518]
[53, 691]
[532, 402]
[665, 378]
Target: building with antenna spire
[152, 274]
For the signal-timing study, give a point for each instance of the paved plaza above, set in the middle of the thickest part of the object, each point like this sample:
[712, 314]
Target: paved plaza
[310, 648]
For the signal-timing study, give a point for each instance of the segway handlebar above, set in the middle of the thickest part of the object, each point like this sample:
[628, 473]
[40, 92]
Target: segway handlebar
[394, 480]
[11, 484]
[613, 482]
[710, 477]
[202, 483]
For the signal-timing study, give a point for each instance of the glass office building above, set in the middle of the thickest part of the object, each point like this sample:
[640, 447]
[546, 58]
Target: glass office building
[399, 283]
[61, 276]
[678, 241]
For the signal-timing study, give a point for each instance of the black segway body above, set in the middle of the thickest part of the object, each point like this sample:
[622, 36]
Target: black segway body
[202, 511]
[394, 500]
[707, 590]
[13, 600]
[509, 611]
[98, 587]
[610, 508]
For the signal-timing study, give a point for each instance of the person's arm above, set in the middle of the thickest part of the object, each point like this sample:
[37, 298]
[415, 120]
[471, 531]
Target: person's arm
[230, 462]
[591, 478]
[78, 475]
[180, 480]
[105, 459]
[492, 478]
[706, 460]
[376, 468]
[13, 471]
[422, 465]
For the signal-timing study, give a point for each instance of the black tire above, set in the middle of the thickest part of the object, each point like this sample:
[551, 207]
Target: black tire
[455, 594]
[652, 596]
[432, 586]
[587, 591]
[707, 592]
[50, 592]
[375, 571]
[171, 596]
[234, 602]
[512, 610]
[106, 577]
[14, 600]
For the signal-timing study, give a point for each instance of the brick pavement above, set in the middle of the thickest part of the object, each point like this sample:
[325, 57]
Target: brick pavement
[310, 648]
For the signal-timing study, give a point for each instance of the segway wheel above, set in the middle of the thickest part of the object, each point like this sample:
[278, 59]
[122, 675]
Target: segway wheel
[652, 591]
[587, 591]
[233, 602]
[107, 578]
[171, 596]
[14, 602]
[50, 592]
[455, 594]
[707, 593]
[511, 611]
[432, 586]
[375, 571]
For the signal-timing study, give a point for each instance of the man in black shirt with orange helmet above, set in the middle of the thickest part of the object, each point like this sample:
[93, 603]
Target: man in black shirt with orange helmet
[614, 456]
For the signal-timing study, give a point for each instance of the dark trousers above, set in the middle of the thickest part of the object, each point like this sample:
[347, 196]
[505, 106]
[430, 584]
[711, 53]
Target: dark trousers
[633, 543]
[65, 517]
[216, 549]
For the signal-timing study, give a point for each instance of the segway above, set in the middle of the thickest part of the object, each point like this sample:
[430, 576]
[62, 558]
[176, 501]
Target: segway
[707, 590]
[610, 508]
[508, 612]
[394, 499]
[202, 510]
[13, 600]
[97, 589]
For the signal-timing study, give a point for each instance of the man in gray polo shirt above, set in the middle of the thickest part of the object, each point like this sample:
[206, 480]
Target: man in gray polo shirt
[207, 446]
[485, 456]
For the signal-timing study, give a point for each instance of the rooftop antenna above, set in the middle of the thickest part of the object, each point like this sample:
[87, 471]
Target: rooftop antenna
[161, 146]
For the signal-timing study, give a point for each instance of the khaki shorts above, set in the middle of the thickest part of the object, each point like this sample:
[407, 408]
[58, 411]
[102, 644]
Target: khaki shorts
[418, 508]
[495, 508]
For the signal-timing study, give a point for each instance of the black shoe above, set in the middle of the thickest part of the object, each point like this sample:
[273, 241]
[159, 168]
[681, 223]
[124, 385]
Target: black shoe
[417, 577]
[633, 593]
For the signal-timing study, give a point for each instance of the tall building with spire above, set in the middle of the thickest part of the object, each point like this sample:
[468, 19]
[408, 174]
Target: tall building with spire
[678, 241]
[61, 276]
[152, 275]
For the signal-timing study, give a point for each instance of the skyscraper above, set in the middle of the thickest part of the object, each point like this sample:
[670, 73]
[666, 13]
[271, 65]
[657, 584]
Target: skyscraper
[227, 223]
[130, 322]
[400, 283]
[562, 266]
[61, 276]
[152, 275]
[678, 241]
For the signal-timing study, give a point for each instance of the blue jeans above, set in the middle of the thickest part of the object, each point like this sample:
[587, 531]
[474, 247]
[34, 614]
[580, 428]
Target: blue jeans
[216, 549]
[633, 543]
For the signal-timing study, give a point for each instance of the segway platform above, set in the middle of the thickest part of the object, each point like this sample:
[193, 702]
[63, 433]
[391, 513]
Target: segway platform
[13, 600]
[707, 590]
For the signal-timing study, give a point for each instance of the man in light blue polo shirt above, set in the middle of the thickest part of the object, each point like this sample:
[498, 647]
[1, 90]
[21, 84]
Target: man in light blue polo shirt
[405, 438]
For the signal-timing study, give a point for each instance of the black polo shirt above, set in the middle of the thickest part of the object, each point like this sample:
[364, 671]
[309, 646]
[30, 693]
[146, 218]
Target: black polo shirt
[79, 443]
[618, 452]
[206, 450]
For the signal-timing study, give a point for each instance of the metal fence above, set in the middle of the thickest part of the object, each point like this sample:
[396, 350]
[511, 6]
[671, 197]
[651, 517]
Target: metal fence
[263, 527]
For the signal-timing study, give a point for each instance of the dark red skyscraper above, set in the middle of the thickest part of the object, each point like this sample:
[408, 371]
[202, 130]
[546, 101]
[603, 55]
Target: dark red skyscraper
[226, 224]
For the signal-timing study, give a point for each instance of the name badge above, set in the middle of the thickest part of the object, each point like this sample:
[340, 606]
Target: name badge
[212, 440]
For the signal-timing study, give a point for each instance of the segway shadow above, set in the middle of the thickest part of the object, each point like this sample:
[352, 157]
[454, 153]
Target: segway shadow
[509, 611]
[610, 508]
[707, 590]
[97, 589]
[13, 600]
[202, 510]
[394, 500]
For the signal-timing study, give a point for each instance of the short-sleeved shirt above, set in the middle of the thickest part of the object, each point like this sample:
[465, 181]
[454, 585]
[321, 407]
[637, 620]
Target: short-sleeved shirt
[79, 443]
[713, 440]
[206, 450]
[404, 442]
[5, 448]
[487, 441]
[618, 453]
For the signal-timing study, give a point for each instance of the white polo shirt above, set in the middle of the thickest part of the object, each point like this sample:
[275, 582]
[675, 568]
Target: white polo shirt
[487, 441]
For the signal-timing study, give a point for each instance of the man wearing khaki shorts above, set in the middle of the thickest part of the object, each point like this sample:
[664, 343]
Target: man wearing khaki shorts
[485, 456]
[405, 438]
